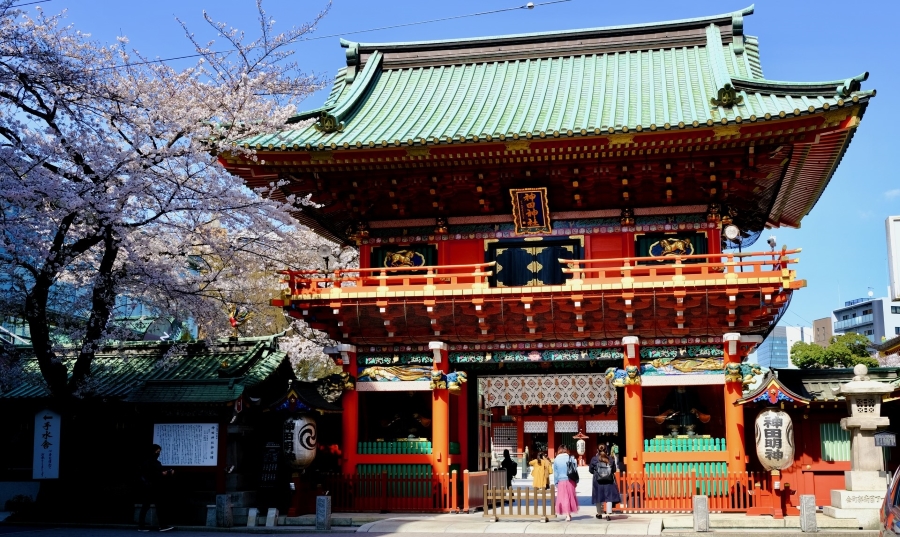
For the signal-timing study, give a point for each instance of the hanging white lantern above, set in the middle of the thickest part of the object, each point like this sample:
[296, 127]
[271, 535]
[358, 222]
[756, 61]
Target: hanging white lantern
[300, 441]
[774, 439]
[580, 447]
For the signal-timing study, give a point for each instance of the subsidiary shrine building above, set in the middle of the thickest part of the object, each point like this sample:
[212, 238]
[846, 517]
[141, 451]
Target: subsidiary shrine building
[558, 235]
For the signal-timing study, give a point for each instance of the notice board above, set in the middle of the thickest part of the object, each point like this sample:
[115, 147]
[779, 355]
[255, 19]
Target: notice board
[187, 444]
[46, 445]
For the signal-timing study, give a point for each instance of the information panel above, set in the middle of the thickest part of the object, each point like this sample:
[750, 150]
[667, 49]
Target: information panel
[187, 444]
[46, 445]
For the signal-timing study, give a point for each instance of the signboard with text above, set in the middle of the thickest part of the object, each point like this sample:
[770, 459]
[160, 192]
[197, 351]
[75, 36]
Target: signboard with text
[187, 444]
[46, 445]
[531, 211]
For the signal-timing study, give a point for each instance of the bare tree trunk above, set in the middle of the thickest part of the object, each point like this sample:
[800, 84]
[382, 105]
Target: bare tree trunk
[102, 303]
[53, 371]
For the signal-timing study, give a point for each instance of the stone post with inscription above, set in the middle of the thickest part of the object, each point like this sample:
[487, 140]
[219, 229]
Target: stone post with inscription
[866, 481]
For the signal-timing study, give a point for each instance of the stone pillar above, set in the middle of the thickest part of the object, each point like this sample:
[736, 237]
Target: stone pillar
[440, 412]
[350, 414]
[734, 414]
[866, 481]
[808, 522]
[634, 411]
[701, 513]
[323, 513]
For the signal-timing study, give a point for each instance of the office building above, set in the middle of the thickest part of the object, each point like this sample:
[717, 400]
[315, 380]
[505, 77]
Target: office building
[822, 331]
[775, 350]
[876, 318]
[892, 232]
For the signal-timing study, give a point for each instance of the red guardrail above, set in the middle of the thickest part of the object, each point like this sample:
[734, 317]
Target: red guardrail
[671, 492]
[380, 493]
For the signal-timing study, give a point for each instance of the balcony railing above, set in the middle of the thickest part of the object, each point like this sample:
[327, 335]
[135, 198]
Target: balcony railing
[679, 270]
[854, 322]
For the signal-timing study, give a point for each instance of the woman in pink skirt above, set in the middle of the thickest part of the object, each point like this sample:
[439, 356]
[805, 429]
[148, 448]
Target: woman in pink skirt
[566, 502]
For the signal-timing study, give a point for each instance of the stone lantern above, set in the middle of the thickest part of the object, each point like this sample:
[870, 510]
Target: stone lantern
[866, 482]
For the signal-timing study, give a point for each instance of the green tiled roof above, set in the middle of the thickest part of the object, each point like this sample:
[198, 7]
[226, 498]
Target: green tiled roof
[141, 371]
[602, 80]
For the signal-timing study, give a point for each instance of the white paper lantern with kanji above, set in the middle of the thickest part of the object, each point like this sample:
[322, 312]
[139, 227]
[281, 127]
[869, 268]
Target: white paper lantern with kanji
[774, 439]
[300, 441]
[580, 447]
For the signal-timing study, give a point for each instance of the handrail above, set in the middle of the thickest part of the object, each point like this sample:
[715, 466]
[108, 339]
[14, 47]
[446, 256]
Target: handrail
[388, 269]
[476, 276]
[770, 254]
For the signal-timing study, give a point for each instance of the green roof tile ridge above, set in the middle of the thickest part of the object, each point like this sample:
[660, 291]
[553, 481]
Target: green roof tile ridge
[337, 103]
[716, 55]
[724, 17]
[360, 85]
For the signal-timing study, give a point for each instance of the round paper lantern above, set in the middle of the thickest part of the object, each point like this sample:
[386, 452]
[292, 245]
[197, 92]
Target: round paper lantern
[580, 446]
[300, 441]
[774, 439]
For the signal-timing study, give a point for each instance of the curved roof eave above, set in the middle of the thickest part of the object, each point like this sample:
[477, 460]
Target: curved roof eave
[829, 87]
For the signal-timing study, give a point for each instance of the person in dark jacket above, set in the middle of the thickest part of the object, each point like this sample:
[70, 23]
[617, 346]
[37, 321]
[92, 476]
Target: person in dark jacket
[152, 474]
[604, 489]
[510, 466]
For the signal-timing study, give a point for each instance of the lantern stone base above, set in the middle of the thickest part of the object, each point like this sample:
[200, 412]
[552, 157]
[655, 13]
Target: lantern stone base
[856, 499]
[867, 518]
[857, 502]
[865, 480]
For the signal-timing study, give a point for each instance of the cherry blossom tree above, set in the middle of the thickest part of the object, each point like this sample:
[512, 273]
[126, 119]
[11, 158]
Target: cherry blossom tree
[110, 186]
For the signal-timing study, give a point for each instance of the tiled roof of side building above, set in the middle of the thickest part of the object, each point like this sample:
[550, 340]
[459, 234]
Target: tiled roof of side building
[594, 81]
[147, 372]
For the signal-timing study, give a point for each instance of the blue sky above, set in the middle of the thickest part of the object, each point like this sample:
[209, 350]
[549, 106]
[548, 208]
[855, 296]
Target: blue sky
[844, 251]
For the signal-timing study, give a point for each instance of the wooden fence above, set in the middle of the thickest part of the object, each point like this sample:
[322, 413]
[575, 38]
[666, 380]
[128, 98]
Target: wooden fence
[673, 492]
[519, 502]
[380, 493]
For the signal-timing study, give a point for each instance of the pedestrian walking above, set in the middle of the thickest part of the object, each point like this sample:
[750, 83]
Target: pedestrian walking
[510, 466]
[152, 475]
[540, 471]
[565, 476]
[604, 490]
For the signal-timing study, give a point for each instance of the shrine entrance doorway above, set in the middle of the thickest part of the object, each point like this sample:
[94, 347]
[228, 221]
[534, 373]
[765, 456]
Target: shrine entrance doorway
[538, 413]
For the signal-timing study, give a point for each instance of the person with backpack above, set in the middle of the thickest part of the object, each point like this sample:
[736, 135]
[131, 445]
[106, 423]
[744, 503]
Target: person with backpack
[604, 489]
[510, 466]
[565, 476]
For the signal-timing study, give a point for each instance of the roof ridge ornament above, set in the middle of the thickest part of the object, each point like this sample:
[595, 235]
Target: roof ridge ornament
[727, 97]
[852, 85]
[328, 123]
[737, 31]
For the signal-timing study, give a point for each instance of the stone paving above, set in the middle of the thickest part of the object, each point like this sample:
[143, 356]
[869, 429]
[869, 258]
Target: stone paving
[585, 523]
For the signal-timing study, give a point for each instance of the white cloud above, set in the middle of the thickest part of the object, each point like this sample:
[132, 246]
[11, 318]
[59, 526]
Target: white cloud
[891, 194]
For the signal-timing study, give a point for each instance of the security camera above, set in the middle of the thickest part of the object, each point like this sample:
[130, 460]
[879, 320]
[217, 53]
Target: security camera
[771, 242]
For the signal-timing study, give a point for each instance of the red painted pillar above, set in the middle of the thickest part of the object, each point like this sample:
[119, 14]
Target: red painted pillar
[440, 412]
[520, 433]
[551, 437]
[350, 415]
[462, 425]
[734, 414]
[634, 411]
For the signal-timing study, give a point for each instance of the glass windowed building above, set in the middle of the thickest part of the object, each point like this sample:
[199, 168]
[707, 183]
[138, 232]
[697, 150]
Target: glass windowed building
[775, 350]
